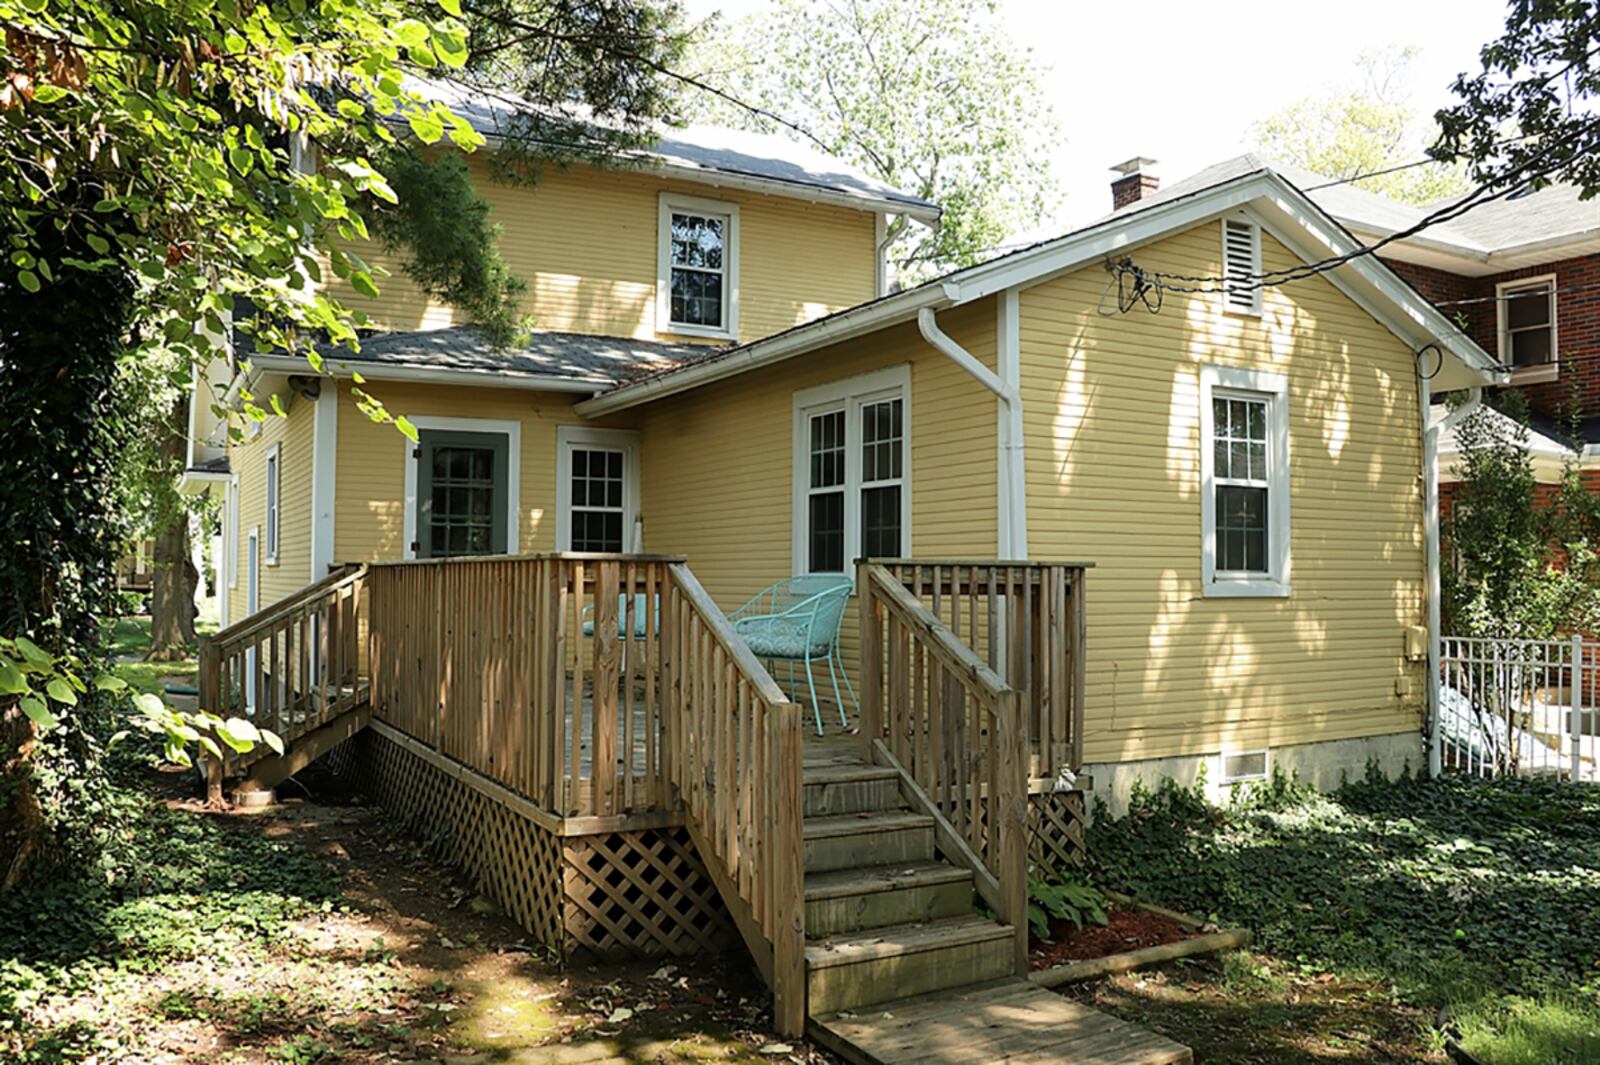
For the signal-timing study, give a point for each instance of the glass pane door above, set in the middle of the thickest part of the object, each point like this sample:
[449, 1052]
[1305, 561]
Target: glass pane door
[461, 494]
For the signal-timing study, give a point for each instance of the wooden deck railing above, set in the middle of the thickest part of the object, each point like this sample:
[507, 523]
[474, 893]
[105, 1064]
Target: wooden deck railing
[734, 757]
[539, 672]
[290, 668]
[935, 711]
[1026, 621]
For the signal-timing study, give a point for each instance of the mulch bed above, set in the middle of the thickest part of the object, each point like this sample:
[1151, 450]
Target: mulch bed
[1129, 928]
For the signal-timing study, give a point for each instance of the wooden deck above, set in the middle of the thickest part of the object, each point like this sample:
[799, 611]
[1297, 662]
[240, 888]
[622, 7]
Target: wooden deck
[1011, 1020]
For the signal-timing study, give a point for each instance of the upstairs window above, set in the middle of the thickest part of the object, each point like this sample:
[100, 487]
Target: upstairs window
[1241, 265]
[697, 280]
[850, 472]
[1527, 310]
[1244, 500]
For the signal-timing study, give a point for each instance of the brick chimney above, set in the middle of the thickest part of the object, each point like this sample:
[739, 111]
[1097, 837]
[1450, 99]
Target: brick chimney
[1138, 180]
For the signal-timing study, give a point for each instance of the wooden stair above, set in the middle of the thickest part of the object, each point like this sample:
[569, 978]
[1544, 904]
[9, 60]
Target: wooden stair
[900, 964]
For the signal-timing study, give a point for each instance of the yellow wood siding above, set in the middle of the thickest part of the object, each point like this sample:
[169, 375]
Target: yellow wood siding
[295, 433]
[718, 461]
[369, 505]
[1113, 422]
[585, 241]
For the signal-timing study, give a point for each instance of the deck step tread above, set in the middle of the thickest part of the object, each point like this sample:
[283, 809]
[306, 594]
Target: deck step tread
[897, 941]
[842, 883]
[835, 773]
[864, 823]
[1009, 1020]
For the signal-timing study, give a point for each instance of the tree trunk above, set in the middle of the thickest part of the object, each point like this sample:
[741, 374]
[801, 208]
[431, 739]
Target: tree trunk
[173, 581]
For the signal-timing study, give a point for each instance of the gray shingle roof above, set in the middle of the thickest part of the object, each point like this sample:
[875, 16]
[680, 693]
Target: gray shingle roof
[606, 360]
[769, 157]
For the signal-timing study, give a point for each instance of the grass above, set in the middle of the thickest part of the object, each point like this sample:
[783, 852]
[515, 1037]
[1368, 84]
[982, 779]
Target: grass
[129, 638]
[1475, 896]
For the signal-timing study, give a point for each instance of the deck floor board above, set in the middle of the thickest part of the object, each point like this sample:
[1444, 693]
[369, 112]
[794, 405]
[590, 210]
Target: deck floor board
[1010, 1020]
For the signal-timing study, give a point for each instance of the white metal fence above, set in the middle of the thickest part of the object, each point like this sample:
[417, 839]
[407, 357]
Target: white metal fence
[1521, 707]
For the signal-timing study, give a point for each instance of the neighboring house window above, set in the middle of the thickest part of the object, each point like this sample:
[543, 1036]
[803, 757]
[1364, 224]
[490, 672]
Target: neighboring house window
[1527, 310]
[1241, 265]
[1244, 461]
[462, 487]
[851, 466]
[698, 270]
[597, 489]
[274, 464]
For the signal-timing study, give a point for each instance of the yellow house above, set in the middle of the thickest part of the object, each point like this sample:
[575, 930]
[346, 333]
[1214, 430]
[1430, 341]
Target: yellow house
[1244, 465]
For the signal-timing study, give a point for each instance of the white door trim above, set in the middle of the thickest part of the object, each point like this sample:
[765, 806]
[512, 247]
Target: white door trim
[512, 430]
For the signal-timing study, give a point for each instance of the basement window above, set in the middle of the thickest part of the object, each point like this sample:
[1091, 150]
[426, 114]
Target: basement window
[1527, 316]
[1243, 766]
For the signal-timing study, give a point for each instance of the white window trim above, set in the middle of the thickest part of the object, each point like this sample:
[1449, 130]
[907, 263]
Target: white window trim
[571, 437]
[512, 430]
[1228, 781]
[1254, 310]
[272, 505]
[1275, 388]
[672, 201]
[851, 394]
[230, 531]
[1527, 374]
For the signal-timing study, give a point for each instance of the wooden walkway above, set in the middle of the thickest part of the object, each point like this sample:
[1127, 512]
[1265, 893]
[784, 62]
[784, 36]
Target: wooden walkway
[1010, 1020]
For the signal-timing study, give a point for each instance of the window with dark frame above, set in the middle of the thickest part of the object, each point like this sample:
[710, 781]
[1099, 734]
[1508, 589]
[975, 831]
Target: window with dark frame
[699, 270]
[855, 468]
[882, 464]
[1528, 318]
[462, 517]
[1242, 483]
[825, 532]
[597, 510]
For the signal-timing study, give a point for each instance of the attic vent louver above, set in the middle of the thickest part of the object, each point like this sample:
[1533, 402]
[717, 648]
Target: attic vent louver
[1241, 264]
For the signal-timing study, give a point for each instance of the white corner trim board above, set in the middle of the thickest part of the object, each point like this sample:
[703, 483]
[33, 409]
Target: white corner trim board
[324, 465]
[512, 430]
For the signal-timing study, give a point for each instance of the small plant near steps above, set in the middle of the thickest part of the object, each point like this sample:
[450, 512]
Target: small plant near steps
[902, 965]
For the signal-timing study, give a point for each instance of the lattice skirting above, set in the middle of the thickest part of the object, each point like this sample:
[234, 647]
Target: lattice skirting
[1055, 836]
[618, 894]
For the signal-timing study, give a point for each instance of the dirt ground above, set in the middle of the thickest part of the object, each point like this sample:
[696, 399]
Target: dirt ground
[414, 966]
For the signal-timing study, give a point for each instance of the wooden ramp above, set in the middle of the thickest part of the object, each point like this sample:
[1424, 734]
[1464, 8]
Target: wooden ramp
[1008, 1020]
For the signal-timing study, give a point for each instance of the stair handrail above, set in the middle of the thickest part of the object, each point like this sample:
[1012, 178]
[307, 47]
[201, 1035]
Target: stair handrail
[979, 802]
[290, 668]
[733, 753]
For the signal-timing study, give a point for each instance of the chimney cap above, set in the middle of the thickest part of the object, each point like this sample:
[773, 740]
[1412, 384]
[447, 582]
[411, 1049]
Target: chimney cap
[1138, 164]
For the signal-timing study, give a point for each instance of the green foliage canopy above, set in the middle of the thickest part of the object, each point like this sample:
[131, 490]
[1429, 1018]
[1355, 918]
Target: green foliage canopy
[929, 96]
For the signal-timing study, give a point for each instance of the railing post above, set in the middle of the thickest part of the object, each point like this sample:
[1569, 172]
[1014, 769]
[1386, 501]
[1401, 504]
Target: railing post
[871, 659]
[787, 854]
[209, 690]
[1576, 717]
[1012, 867]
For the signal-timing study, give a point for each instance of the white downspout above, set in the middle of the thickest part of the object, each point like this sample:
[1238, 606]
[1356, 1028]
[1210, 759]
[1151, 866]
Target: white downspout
[1012, 517]
[1430, 463]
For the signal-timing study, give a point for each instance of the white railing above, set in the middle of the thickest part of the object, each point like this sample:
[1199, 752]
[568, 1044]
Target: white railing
[1521, 707]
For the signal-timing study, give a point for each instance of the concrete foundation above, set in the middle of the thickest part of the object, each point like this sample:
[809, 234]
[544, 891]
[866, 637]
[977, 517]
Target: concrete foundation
[1323, 765]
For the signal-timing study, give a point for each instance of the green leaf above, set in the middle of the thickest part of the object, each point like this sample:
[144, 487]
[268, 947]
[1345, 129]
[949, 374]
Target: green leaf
[107, 682]
[35, 7]
[451, 7]
[48, 94]
[427, 128]
[411, 32]
[12, 682]
[273, 741]
[227, 735]
[38, 713]
[362, 282]
[403, 424]
[61, 691]
[35, 654]
[29, 280]
[211, 747]
[149, 705]
[243, 159]
[98, 243]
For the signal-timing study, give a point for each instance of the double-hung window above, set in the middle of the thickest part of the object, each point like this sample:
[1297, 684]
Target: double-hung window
[697, 275]
[597, 489]
[851, 472]
[1527, 316]
[1244, 459]
[274, 466]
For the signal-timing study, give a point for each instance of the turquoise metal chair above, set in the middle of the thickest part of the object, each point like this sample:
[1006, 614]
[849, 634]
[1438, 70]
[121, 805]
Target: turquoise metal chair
[641, 604]
[797, 621]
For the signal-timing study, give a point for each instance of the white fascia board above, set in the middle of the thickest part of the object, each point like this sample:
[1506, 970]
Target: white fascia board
[864, 319]
[335, 369]
[197, 484]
